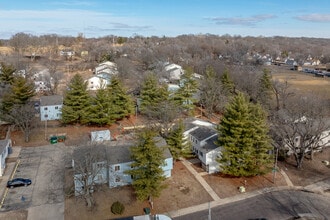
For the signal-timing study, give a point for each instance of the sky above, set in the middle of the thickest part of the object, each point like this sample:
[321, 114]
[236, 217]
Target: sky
[127, 18]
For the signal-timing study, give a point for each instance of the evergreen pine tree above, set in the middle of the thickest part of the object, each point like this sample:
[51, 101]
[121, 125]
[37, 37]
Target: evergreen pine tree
[147, 172]
[152, 95]
[7, 74]
[122, 104]
[100, 109]
[265, 88]
[19, 93]
[243, 135]
[188, 87]
[262, 161]
[76, 101]
[227, 83]
[22, 90]
[177, 145]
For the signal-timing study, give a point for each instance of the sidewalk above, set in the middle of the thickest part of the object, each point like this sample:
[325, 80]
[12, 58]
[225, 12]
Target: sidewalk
[217, 200]
[10, 166]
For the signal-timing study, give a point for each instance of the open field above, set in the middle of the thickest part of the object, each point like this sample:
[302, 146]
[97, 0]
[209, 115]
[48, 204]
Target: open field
[303, 82]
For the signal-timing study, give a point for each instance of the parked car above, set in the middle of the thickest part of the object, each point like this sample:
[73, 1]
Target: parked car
[18, 182]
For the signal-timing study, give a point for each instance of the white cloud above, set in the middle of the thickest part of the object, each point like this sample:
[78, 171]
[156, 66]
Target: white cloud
[323, 18]
[243, 21]
[68, 22]
[71, 3]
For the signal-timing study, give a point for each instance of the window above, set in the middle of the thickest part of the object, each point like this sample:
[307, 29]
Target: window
[117, 168]
[45, 108]
[99, 165]
[56, 107]
[46, 116]
[99, 177]
[201, 153]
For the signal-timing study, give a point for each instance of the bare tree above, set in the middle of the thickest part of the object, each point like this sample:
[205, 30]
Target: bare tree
[90, 168]
[300, 127]
[55, 76]
[23, 116]
[212, 96]
[282, 92]
[19, 42]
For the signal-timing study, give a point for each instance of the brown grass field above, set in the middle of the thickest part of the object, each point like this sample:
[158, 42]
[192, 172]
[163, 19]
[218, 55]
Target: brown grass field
[303, 82]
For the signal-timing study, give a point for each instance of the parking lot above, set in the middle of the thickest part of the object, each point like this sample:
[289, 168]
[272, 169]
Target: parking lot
[44, 198]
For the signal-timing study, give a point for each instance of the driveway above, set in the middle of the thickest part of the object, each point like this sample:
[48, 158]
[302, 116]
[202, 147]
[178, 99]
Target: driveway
[44, 198]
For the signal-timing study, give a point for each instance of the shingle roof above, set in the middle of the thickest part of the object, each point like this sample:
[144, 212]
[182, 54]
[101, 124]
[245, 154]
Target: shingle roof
[202, 133]
[117, 151]
[3, 144]
[210, 143]
[51, 100]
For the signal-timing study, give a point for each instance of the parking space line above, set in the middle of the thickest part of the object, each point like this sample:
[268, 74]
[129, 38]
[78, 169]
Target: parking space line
[10, 178]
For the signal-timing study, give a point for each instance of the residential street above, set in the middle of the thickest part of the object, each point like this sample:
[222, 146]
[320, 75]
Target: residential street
[275, 205]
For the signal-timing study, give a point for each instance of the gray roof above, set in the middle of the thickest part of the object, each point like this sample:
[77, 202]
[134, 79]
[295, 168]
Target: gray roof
[202, 133]
[210, 143]
[116, 152]
[3, 144]
[119, 154]
[51, 100]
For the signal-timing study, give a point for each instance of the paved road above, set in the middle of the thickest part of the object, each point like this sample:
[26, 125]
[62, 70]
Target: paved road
[273, 205]
[44, 198]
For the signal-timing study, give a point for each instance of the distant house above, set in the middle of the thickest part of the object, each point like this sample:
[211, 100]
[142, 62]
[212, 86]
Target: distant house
[100, 80]
[68, 53]
[41, 86]
[174, 72]
[203, 136]
[291, 63]
[323, 142]
[117, 160]
[146, 217]
[100, 136]
[106, 67]
[51, 107]
[4, 149]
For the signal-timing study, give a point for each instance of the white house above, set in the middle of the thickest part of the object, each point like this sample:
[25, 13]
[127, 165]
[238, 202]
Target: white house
[203, 136]
[40, 86]
[174, 71]
[203, 144]
[4, 148]
[100, 80]
[100, 136]
[117, 160]
[106, 67]
[51, 107]
[324, 141]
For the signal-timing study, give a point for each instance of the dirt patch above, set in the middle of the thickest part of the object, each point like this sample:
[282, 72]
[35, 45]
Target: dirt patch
[312, 171]
[183, 191]
[14, 215]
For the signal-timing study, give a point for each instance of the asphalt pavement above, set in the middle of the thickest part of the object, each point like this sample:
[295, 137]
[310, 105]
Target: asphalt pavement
[321, 188]
[44, 198]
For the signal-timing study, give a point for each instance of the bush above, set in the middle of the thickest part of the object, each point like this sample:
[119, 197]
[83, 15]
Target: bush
[117, 208]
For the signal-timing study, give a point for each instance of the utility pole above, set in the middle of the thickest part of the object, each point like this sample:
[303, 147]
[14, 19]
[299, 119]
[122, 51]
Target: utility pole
[275, 166]
[46, 129]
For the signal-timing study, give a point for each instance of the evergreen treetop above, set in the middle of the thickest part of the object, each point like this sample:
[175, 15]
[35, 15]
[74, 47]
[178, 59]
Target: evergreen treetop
[76, 101]
[243, 135]
[148, 175]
